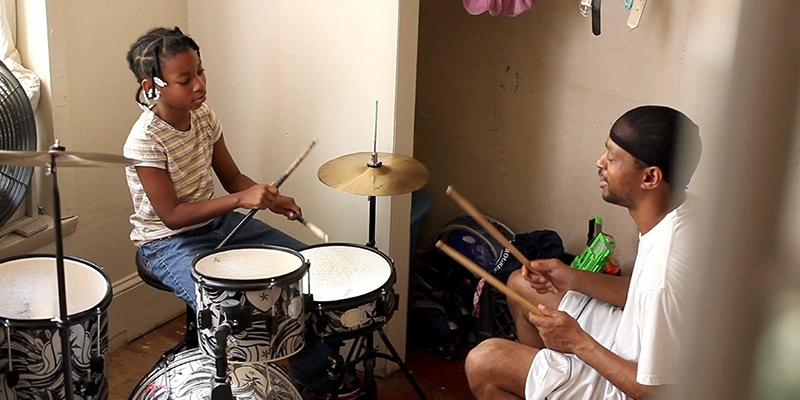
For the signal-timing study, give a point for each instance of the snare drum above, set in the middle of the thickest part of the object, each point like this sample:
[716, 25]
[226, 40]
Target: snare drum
[188, 375]
[266, 281]
[30, 340]
[351, 289]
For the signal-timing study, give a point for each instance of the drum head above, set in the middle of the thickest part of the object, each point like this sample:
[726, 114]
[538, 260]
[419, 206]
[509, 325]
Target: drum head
[248, 263]
[344, 271]
[30, 288]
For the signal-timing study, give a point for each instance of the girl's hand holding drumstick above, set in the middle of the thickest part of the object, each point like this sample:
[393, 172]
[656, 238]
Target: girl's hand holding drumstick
[481, 219]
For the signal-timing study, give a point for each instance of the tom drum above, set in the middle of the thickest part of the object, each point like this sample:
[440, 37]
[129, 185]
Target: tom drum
[351, 289]
[265, 281]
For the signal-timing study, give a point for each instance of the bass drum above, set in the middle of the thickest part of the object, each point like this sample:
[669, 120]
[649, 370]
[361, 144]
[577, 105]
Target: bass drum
[188, 375]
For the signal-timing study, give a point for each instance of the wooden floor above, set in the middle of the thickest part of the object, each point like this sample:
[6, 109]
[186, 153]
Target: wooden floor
[439, 379]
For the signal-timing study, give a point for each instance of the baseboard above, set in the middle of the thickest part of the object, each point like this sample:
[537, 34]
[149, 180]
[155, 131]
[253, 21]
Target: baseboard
[137, 309]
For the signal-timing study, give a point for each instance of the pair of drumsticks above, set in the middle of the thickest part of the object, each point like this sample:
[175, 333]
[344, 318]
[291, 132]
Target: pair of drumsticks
[299, 218]
[478, 270]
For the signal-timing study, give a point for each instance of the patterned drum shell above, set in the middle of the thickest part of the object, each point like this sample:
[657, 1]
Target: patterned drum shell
[264, 279]
[188, 376]
[351, 288]
[30, 341]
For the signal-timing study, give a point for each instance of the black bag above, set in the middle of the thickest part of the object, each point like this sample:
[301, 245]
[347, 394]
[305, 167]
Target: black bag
[534, 245]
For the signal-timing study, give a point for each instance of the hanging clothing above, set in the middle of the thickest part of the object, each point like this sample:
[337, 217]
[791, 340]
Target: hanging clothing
[510, 8]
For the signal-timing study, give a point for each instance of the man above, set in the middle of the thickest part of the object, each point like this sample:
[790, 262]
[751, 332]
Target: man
[602, 336]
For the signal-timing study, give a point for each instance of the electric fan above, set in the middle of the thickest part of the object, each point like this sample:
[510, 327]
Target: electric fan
[17, 132]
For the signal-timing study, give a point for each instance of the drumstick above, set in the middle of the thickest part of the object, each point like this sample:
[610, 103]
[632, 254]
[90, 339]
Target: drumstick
[481, 219]
[278, 183]
[314, 229]
[478, 270]
[294, 164]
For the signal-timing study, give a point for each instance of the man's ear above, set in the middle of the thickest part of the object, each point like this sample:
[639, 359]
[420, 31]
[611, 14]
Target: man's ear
[652, 177]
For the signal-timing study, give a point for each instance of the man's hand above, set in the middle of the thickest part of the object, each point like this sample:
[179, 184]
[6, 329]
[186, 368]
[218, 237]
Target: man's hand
[559, 330]
[555, 273]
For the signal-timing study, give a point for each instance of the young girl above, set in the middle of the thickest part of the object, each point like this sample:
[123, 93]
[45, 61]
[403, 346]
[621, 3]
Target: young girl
[179, 142]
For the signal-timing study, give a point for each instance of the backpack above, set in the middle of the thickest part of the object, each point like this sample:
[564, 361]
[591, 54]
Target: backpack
[468, 237]
[533, 245]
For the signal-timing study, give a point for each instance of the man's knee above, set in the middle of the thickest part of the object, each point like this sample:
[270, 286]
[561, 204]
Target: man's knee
[517, 282]
[484, 355]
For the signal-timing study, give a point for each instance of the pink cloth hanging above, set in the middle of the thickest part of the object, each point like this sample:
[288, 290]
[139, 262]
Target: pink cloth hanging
[510, 8]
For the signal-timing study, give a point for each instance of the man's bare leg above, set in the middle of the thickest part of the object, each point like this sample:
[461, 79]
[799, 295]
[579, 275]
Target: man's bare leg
[526, 332]
[498, 368]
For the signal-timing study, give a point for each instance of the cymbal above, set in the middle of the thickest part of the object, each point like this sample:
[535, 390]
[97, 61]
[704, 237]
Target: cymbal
[396, 174]
[62, 158]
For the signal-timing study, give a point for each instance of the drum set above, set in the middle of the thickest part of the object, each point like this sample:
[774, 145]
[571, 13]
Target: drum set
[254, 304]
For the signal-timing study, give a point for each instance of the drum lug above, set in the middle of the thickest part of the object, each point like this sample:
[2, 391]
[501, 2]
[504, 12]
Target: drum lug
[237, 313]
[12, 378]
[97, 364]
[204, 319]
[308, 302]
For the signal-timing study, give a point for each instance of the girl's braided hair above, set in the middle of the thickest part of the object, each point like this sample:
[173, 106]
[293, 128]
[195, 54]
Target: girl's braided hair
[145, 54]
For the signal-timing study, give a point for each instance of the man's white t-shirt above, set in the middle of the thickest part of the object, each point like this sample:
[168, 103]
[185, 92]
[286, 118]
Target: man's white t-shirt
[650, 329]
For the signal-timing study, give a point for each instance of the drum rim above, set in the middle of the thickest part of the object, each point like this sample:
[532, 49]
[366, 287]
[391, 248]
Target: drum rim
[248, 284]
[358, 300]
[348, 244]
[102, 305]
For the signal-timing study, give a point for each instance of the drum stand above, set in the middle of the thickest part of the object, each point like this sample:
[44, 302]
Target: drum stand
[234, 320]
[85, 386]
[337, 365]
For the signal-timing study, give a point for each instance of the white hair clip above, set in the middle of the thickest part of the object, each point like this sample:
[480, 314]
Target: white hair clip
[160, 82]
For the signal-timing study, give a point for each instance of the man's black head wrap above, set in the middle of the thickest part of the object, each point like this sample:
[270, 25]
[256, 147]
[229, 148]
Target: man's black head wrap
[662, 137]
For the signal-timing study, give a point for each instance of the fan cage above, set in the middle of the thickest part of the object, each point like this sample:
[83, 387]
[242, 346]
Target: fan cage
[17, 132]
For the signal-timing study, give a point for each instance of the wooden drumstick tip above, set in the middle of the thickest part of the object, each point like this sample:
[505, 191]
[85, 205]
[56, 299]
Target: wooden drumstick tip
[318, 232]
[314, 229]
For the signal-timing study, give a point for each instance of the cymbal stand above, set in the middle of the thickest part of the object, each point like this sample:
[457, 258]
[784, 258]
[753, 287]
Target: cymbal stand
[370, 354]
[63, 319]
[373, 163]
[371, 242]
[368, 358]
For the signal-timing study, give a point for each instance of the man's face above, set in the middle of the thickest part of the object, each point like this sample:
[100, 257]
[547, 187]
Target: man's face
[620, 175]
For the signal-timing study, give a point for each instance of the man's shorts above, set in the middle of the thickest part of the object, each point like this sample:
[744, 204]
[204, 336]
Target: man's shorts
[554, 375]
